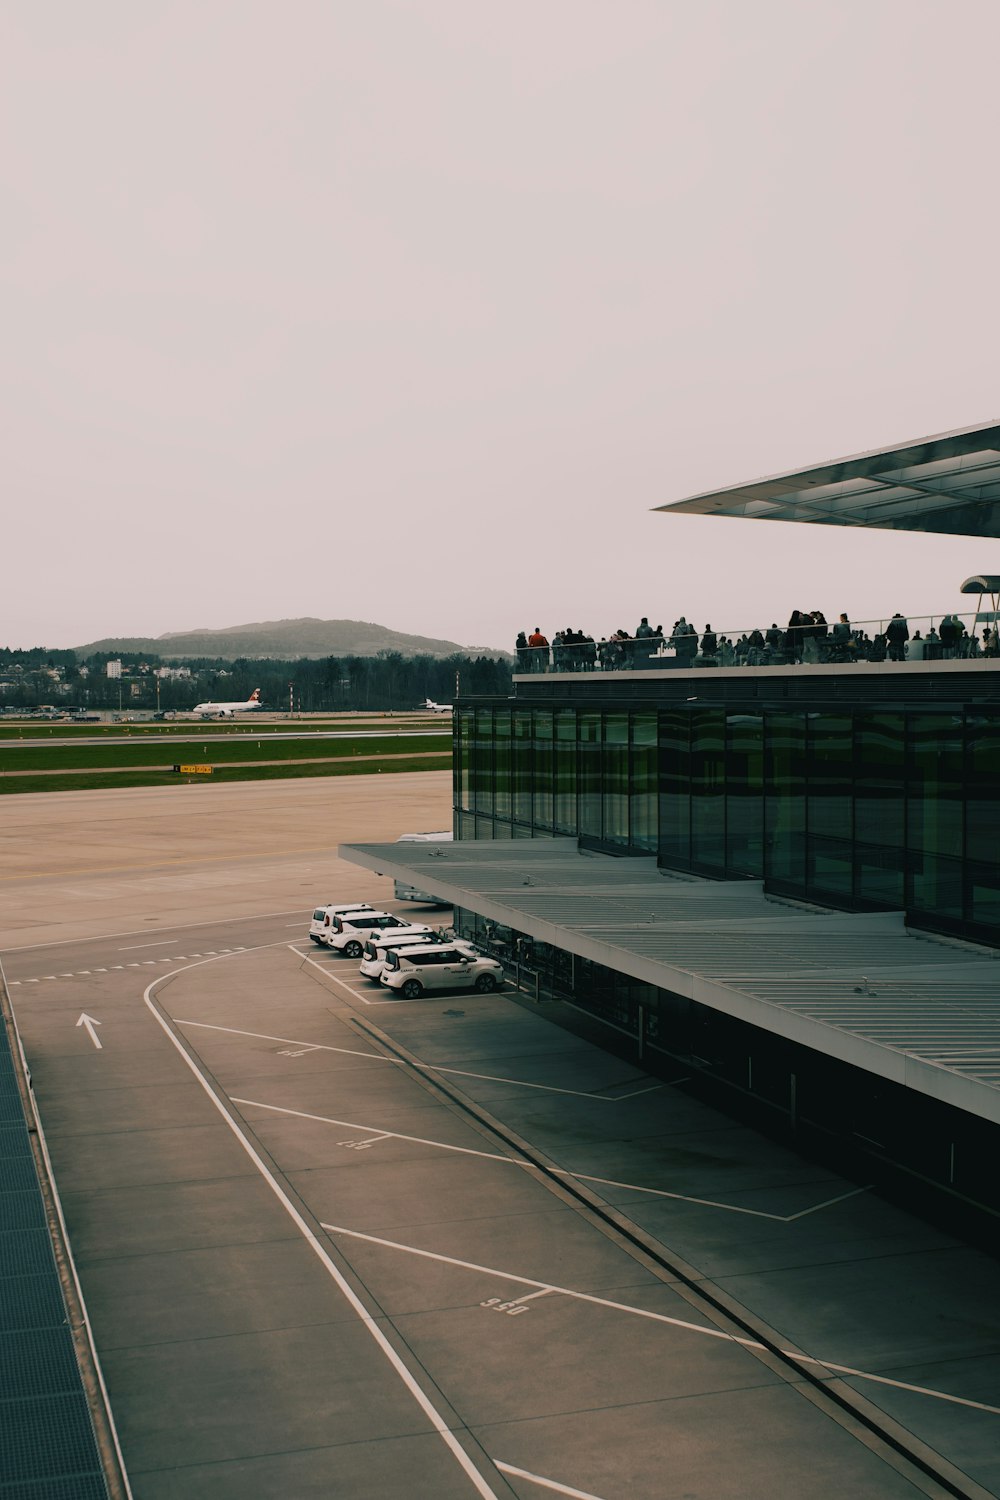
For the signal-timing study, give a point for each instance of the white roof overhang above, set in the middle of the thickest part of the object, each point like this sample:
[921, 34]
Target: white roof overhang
[946, 483]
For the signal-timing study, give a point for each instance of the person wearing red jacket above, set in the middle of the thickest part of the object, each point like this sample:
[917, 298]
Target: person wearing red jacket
[539, 649]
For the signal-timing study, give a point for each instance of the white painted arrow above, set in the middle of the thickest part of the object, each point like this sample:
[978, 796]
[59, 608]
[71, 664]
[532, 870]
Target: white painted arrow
[90, 1023]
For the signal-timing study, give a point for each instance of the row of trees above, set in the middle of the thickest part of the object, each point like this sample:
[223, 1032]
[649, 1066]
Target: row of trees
[388, 681]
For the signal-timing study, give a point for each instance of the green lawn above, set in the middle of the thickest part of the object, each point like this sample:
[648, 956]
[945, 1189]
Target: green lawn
[143, 752]
[342, 766]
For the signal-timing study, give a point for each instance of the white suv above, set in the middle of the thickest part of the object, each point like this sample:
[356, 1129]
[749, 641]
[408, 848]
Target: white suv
[322, 918]
[350, 930]
[376, 948]
[445, 966]
[379, 943]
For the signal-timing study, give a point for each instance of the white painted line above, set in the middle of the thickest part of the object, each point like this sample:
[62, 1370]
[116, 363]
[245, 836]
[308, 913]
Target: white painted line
[546, 1088]
[134, 964]
[289, 1041]
[83, 971]
[636, 1093]
[641, 1312]
[328, 974]
[70, 975]
[386, 1135]
[828, 1203]
[133, 946]
[899, 1385]
[547, 1286]
[519, 1162]
[117, 966]
[545, 1292]
[732, 1208]
[369, 1323]
[48, 976]
[546, 1484]
[13, 982]
[632, 1187]
[100, 971]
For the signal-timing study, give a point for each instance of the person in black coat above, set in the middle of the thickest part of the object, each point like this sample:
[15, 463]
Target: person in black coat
[897, 633]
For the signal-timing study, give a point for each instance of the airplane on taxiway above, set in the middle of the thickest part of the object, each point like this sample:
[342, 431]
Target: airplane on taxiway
[226, 710]
[437, 708]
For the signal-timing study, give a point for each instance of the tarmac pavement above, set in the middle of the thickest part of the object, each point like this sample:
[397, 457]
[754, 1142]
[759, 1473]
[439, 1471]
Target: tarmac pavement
[336, 1243]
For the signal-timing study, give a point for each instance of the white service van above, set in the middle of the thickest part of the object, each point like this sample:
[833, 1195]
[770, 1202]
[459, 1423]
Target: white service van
[404, 892]
[322, 917]
[350, 930]
[446, 966]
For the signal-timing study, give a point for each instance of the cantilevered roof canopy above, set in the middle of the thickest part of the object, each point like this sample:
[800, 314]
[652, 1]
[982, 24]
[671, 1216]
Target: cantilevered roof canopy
[948, 483]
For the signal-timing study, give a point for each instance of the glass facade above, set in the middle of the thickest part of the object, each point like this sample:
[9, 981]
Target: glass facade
[860, 807]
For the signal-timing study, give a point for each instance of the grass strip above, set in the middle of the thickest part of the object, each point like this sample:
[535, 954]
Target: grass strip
[154, 753]
[95, 781]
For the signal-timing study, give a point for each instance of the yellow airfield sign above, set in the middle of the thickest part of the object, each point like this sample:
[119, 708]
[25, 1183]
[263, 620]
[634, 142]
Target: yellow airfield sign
[194, 770]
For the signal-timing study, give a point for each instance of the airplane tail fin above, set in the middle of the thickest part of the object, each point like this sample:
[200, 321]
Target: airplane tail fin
[254, 696]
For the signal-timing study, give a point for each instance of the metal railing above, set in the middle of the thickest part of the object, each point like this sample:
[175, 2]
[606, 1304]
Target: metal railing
[940, 637]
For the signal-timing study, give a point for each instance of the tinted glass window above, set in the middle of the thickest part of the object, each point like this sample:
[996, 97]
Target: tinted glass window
[982, 805]
[934, 784]
[614, 787]
[745, 793]
[784, 794]
[501, 762]
[642, 802]
[708, 784]
[565, 770]
[521, 756]
[542, 772]
[675, 788]
[589, 774]
[482, 774]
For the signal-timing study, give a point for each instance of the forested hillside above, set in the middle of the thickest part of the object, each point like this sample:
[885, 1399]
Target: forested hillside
[285, 640]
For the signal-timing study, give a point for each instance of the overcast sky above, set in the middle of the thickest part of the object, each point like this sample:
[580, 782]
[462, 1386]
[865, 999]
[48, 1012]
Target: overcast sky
[410, 312]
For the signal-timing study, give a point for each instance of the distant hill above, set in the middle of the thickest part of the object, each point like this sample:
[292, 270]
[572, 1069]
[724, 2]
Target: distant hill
[286, 639]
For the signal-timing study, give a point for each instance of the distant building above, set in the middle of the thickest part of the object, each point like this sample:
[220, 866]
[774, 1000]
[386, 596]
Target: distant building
[113, 669]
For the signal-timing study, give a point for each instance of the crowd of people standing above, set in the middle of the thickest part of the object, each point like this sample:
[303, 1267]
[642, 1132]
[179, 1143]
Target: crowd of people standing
[808, 637]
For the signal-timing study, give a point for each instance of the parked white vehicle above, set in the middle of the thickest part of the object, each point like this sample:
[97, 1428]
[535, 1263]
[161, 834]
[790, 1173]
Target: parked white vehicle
[322, 917]
[373, 960]
[446, 966]
[350, 930]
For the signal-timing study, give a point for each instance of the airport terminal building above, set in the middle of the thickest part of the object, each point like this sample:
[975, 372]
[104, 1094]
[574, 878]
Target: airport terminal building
[778, 881]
